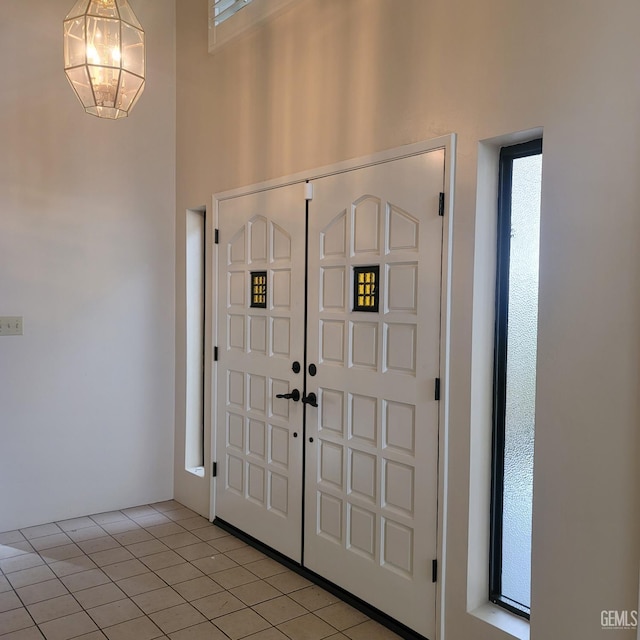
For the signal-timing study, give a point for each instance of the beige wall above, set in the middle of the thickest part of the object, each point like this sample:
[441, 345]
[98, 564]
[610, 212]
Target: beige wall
[334, 79]
[87, 258]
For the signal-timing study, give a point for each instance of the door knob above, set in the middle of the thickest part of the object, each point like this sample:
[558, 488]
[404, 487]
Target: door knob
[294, 395]
[310, 399]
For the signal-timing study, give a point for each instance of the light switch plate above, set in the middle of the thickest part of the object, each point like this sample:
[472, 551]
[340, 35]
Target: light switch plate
[10, 325]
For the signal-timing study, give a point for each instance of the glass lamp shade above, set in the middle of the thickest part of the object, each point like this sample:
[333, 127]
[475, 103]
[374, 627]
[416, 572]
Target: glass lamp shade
[104, 56]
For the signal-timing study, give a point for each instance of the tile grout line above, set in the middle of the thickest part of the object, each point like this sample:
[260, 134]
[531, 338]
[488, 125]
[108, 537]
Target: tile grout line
[169, 549]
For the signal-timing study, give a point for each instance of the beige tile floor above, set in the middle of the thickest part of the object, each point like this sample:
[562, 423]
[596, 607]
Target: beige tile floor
[159, 571]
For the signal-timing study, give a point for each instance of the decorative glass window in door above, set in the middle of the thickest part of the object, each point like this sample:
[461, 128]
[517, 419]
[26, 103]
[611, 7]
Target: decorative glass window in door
[365, 288]
[259, 289]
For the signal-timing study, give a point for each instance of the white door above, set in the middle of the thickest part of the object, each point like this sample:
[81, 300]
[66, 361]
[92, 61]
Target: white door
[375, 244]
[373, 353]
[260, 335]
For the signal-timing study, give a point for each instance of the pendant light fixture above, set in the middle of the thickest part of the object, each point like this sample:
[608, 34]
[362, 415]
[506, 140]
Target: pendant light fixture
[104, 56]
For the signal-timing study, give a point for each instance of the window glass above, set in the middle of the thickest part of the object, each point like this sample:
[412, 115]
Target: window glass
[515, 379]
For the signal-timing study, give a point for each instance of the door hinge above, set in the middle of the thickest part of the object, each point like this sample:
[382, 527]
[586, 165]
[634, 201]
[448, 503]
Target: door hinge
[308, 191]
[434, 570]
[216, 236]
[214, 469]
[437, 389]
[215, 354]
[441, 204]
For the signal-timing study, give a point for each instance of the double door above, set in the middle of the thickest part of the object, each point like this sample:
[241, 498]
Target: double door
[328, 327]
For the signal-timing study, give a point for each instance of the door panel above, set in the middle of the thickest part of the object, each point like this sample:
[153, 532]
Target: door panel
[260, 333]
[375, 245]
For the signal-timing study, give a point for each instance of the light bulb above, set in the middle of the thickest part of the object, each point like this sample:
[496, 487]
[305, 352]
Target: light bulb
[92, 54]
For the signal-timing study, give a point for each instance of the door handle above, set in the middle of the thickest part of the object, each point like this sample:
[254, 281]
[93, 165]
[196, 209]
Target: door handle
[310, 399]
[294, 395]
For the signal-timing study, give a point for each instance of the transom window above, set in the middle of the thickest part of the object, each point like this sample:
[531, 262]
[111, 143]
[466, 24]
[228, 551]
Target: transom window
[229, 19]
[224, 9]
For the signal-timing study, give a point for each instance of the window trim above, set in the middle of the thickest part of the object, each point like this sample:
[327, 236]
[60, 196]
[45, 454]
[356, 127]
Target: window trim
[507, 156]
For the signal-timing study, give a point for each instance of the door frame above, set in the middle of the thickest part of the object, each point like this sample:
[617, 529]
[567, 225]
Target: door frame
[448, 143]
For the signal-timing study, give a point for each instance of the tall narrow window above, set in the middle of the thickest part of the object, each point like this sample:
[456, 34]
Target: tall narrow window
[515, 375]
[195, 252]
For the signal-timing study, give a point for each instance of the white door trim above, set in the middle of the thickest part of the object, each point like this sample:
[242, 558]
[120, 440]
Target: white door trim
[448, 143]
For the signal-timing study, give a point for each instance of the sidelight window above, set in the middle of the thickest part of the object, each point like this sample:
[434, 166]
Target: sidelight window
[518, 261]
[195, 330]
